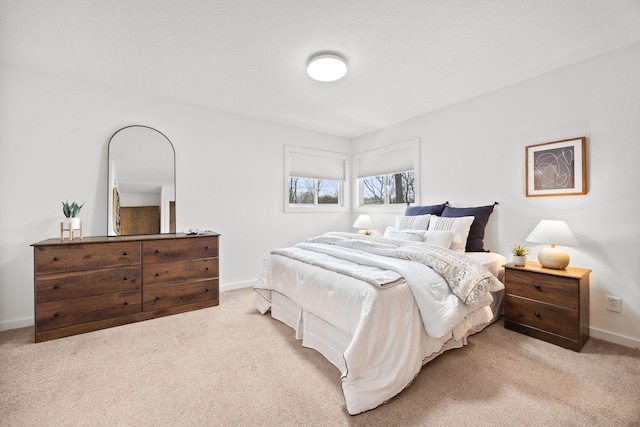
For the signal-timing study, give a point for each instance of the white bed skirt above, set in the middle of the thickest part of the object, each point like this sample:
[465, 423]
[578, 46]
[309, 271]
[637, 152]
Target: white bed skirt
[332, 342]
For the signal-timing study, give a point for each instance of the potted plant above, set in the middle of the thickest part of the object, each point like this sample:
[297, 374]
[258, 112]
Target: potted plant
[72, 211]
[520, 253]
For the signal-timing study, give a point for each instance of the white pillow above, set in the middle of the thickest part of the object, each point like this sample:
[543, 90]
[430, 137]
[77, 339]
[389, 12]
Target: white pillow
[411, 235]
[418, 222]
[460, 226]
[439, 238]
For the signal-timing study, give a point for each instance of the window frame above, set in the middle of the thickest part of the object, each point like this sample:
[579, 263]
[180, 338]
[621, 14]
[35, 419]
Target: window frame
[413, 148]
[344, 196]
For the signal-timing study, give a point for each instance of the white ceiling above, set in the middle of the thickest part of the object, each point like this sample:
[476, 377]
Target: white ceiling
[406, 57]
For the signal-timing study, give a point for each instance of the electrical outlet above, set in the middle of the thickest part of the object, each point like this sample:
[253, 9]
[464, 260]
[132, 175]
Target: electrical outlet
[614, 303]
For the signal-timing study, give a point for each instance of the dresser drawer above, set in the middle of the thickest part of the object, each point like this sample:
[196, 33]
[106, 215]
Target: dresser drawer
[89, 256]
[59, 314]
[547, 317]
[167, 296]
[55, 287]
[561, 291]
[155, 251]
[163, 273]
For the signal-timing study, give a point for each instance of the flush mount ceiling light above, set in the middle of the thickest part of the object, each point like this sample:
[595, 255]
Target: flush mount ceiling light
[326, 67]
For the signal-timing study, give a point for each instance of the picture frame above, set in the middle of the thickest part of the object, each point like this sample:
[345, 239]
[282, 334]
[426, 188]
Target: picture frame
[557, 168]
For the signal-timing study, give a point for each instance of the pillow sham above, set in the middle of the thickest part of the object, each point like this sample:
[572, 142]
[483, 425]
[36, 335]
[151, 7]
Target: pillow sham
[476, 233]
[411, 235]
[416, 222]
[439, 238]
[460, 226]
[424, 210]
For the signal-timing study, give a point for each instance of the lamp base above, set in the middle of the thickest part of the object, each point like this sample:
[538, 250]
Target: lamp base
[553, 258]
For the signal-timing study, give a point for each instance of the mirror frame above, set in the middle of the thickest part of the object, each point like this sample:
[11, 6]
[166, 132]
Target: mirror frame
[111, 188]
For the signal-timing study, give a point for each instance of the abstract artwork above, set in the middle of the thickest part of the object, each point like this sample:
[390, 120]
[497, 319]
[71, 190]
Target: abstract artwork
[556, 168]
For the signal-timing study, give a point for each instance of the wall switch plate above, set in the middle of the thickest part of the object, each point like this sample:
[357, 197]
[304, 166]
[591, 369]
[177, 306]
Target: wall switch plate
[614, 303]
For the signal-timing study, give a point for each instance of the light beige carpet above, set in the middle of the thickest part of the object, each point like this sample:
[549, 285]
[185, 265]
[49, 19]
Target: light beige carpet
[230, 366]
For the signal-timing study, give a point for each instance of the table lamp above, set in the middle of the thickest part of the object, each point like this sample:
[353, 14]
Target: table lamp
[364, 223]
[554, 233]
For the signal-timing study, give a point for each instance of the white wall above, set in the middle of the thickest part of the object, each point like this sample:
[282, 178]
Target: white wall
[473, 153]
[54, 134]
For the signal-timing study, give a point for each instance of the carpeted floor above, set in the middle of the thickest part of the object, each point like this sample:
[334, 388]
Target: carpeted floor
[230, 366]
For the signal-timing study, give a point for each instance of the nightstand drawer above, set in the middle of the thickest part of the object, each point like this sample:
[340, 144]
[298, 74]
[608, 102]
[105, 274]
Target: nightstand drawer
[562, 291]
[547, 317]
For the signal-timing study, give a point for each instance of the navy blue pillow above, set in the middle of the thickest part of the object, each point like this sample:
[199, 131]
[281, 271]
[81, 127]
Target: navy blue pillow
[476, 233]
[424, 210]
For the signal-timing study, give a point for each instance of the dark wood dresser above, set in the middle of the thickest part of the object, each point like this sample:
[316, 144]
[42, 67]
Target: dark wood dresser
[551, 305]
[100, 282]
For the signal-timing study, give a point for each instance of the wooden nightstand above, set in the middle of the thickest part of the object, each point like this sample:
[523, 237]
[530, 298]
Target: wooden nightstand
[551, 305]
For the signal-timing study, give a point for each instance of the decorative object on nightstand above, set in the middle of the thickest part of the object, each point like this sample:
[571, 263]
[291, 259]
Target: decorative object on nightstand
[519, 257]
[554, 233]
[364, 223]
[72, 213]
[548, 304]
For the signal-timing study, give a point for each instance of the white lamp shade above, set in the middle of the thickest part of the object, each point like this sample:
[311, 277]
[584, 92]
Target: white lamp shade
[554, 233]
[363, 221]
[327, 68]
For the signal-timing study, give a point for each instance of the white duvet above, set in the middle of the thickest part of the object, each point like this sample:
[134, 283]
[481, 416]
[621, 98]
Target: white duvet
[398, 317]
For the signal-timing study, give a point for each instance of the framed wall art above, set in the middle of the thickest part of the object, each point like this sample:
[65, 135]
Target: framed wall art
[557, 168]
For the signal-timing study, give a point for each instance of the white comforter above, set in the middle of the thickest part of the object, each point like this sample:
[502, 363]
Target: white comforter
[395, 325]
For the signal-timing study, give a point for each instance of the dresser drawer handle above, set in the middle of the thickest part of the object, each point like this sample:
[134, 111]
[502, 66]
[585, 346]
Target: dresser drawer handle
[125, 253]
[157, 251]
[536, 286]
[126, 303]
[206, 269]
[206, 247]
[157, 274]
[55, 258]
[56, 286]
[536, 314]
[157, 298]
[125, 278]
[206, 290]
[56, 314]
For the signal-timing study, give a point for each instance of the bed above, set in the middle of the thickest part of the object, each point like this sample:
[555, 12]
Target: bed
[379, 308]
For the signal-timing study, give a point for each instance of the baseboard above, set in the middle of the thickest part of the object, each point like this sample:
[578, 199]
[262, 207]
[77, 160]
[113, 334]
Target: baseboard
[17, 324]
[614, 338]
[238, 285]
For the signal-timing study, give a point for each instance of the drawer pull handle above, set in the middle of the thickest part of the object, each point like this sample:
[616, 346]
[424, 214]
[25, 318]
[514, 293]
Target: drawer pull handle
[125, 278]
[536, 286]
[536, 314]
[126, 303]
[157, 298]
[56, 314]
[125, 253]
[157, 274]
[55, 258]
[206, 269]
[56, 286]
[206, 290]
[206, 247]
[157, 251]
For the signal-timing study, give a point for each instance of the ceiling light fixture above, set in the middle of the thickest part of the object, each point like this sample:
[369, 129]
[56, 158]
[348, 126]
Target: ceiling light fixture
[326, 67]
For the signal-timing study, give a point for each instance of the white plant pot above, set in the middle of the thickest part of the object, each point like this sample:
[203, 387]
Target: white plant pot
[519, 261]
[74, 223]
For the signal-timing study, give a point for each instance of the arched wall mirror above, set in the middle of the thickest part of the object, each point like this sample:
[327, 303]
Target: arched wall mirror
[142, 187]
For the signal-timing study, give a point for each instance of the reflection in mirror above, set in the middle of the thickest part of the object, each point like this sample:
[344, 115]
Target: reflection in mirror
[141, 190]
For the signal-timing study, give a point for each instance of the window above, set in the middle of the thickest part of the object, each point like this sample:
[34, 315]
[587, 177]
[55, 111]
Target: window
[388, 189]
[315, 180]
[387, 177]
